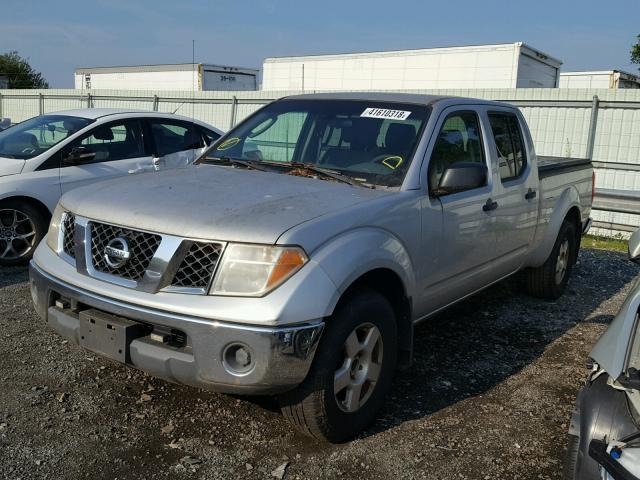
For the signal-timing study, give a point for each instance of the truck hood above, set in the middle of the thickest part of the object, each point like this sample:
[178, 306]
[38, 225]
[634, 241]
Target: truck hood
[10, 166]
[214, 202]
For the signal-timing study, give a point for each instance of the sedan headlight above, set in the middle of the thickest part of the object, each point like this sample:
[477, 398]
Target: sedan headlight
[254, 270]
[53, 235]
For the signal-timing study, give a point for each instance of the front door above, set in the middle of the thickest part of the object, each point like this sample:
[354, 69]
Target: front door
[466, 244]
[111, 149]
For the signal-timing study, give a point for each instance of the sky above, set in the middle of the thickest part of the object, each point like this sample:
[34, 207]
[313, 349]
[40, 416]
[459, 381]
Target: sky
[60, 36]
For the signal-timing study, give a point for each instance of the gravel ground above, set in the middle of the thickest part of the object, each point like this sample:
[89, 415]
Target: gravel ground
[489, 396]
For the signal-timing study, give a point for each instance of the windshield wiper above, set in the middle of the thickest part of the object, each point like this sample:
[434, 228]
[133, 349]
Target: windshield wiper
[329, 173]
[236, 161]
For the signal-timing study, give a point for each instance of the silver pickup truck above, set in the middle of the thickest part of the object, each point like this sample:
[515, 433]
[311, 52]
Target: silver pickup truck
[296, 257]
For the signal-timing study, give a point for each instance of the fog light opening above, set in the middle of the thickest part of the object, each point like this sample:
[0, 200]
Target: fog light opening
[238, 359]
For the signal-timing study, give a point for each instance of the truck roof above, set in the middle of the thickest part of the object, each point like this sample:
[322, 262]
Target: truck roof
[420, 99]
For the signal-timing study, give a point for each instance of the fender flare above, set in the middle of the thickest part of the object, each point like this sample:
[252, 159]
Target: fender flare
[349, 256]
[569, 199]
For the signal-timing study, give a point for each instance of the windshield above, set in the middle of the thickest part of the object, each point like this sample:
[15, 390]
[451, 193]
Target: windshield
[369, 141]
[37, 135]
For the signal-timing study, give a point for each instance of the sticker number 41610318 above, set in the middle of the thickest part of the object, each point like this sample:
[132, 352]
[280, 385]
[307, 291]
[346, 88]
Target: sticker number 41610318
[385, 113]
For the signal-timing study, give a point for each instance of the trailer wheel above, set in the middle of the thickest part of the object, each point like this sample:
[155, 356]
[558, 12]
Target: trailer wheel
[351, 373]
[550, 279]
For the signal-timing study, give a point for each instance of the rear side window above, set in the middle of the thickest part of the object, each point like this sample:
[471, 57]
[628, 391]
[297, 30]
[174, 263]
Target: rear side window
[512, 156]
[171, 137]
[458, 141]
[209, 135]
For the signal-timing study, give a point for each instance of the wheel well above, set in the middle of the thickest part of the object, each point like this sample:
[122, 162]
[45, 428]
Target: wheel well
[37, 204]
[573, 216]
[388, 284]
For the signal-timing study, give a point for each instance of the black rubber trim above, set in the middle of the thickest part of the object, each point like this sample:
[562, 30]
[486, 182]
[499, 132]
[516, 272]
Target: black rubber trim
[558, 165]
[598, 451]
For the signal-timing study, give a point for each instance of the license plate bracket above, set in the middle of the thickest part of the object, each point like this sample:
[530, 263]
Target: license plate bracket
[108, 334]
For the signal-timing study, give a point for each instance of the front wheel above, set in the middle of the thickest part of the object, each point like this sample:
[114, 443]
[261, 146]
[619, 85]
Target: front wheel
[571, 458]
[351, 373]
[21, 229]
[550, 279]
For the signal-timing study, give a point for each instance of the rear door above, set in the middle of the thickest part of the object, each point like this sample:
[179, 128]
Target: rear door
[460, 261]
[515, 191]
[175, 143]
[118, 147]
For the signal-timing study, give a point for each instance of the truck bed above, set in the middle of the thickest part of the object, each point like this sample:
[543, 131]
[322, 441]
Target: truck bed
[551, 166]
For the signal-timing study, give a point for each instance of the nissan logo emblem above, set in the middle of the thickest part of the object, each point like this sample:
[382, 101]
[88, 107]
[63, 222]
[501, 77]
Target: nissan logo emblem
[116, 253]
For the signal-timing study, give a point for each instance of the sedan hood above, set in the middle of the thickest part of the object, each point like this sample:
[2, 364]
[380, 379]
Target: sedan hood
[610, 352]
[10, 166]
[214, 202]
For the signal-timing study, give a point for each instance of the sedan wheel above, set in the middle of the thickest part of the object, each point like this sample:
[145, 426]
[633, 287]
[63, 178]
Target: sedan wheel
[18, 235]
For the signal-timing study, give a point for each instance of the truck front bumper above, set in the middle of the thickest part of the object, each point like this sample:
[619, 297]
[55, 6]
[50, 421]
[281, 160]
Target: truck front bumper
[272, 359]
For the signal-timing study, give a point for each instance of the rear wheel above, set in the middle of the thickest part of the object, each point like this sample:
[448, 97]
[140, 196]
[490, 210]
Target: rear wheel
[550, 279]
[351, 373]
[21, 229]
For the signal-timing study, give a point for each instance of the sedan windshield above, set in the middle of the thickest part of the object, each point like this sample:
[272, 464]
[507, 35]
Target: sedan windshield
[37, 135]
[368, 142]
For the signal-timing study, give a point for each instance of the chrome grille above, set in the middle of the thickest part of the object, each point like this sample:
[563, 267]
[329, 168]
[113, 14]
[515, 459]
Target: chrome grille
[197, 266]
[68, 231]
[142, 247]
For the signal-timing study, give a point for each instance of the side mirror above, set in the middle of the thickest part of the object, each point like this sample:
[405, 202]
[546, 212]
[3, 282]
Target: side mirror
[634, 247]
[79, 155]
[462, 176]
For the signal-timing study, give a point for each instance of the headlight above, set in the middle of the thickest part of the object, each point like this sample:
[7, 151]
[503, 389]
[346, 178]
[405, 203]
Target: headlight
[254, 270]
[53, 235]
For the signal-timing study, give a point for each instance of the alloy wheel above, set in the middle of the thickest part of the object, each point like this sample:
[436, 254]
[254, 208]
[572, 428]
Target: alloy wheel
[17, 234]
[357, 374]
[563, 261]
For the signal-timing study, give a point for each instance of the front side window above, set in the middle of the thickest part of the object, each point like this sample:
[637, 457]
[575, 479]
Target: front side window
[171, 137]
[114, 141]
[512, 157]
[368, 141]
[458, 141]
[37, 135]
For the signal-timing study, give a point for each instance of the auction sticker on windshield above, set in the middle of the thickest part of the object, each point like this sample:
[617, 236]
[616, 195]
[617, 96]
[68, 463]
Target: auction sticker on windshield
[385, 113]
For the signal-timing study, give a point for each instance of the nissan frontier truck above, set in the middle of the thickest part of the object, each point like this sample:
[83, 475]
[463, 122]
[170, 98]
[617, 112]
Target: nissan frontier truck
[299, 253]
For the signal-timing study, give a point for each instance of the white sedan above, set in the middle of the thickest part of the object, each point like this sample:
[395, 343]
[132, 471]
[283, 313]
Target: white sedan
[46, 156]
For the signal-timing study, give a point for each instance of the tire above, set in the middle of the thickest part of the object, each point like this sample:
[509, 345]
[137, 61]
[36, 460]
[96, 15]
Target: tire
[21, 228]
[314, 407]
[571, 458]
[546, 281]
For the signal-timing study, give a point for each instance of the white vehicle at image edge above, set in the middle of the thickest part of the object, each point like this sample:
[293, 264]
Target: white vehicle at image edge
[604, 433]
[46, 156]
[296, 255]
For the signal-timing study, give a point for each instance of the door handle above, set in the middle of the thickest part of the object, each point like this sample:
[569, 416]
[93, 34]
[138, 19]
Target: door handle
[490, 205]
[531, 194]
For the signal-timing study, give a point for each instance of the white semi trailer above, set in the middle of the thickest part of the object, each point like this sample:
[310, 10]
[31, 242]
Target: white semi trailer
[512, 65]
[182, 76]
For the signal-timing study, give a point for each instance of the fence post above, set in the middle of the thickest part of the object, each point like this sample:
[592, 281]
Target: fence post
[156, 100]
[41, 103]
[593, 123]
[89, 101]
[234, 109]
